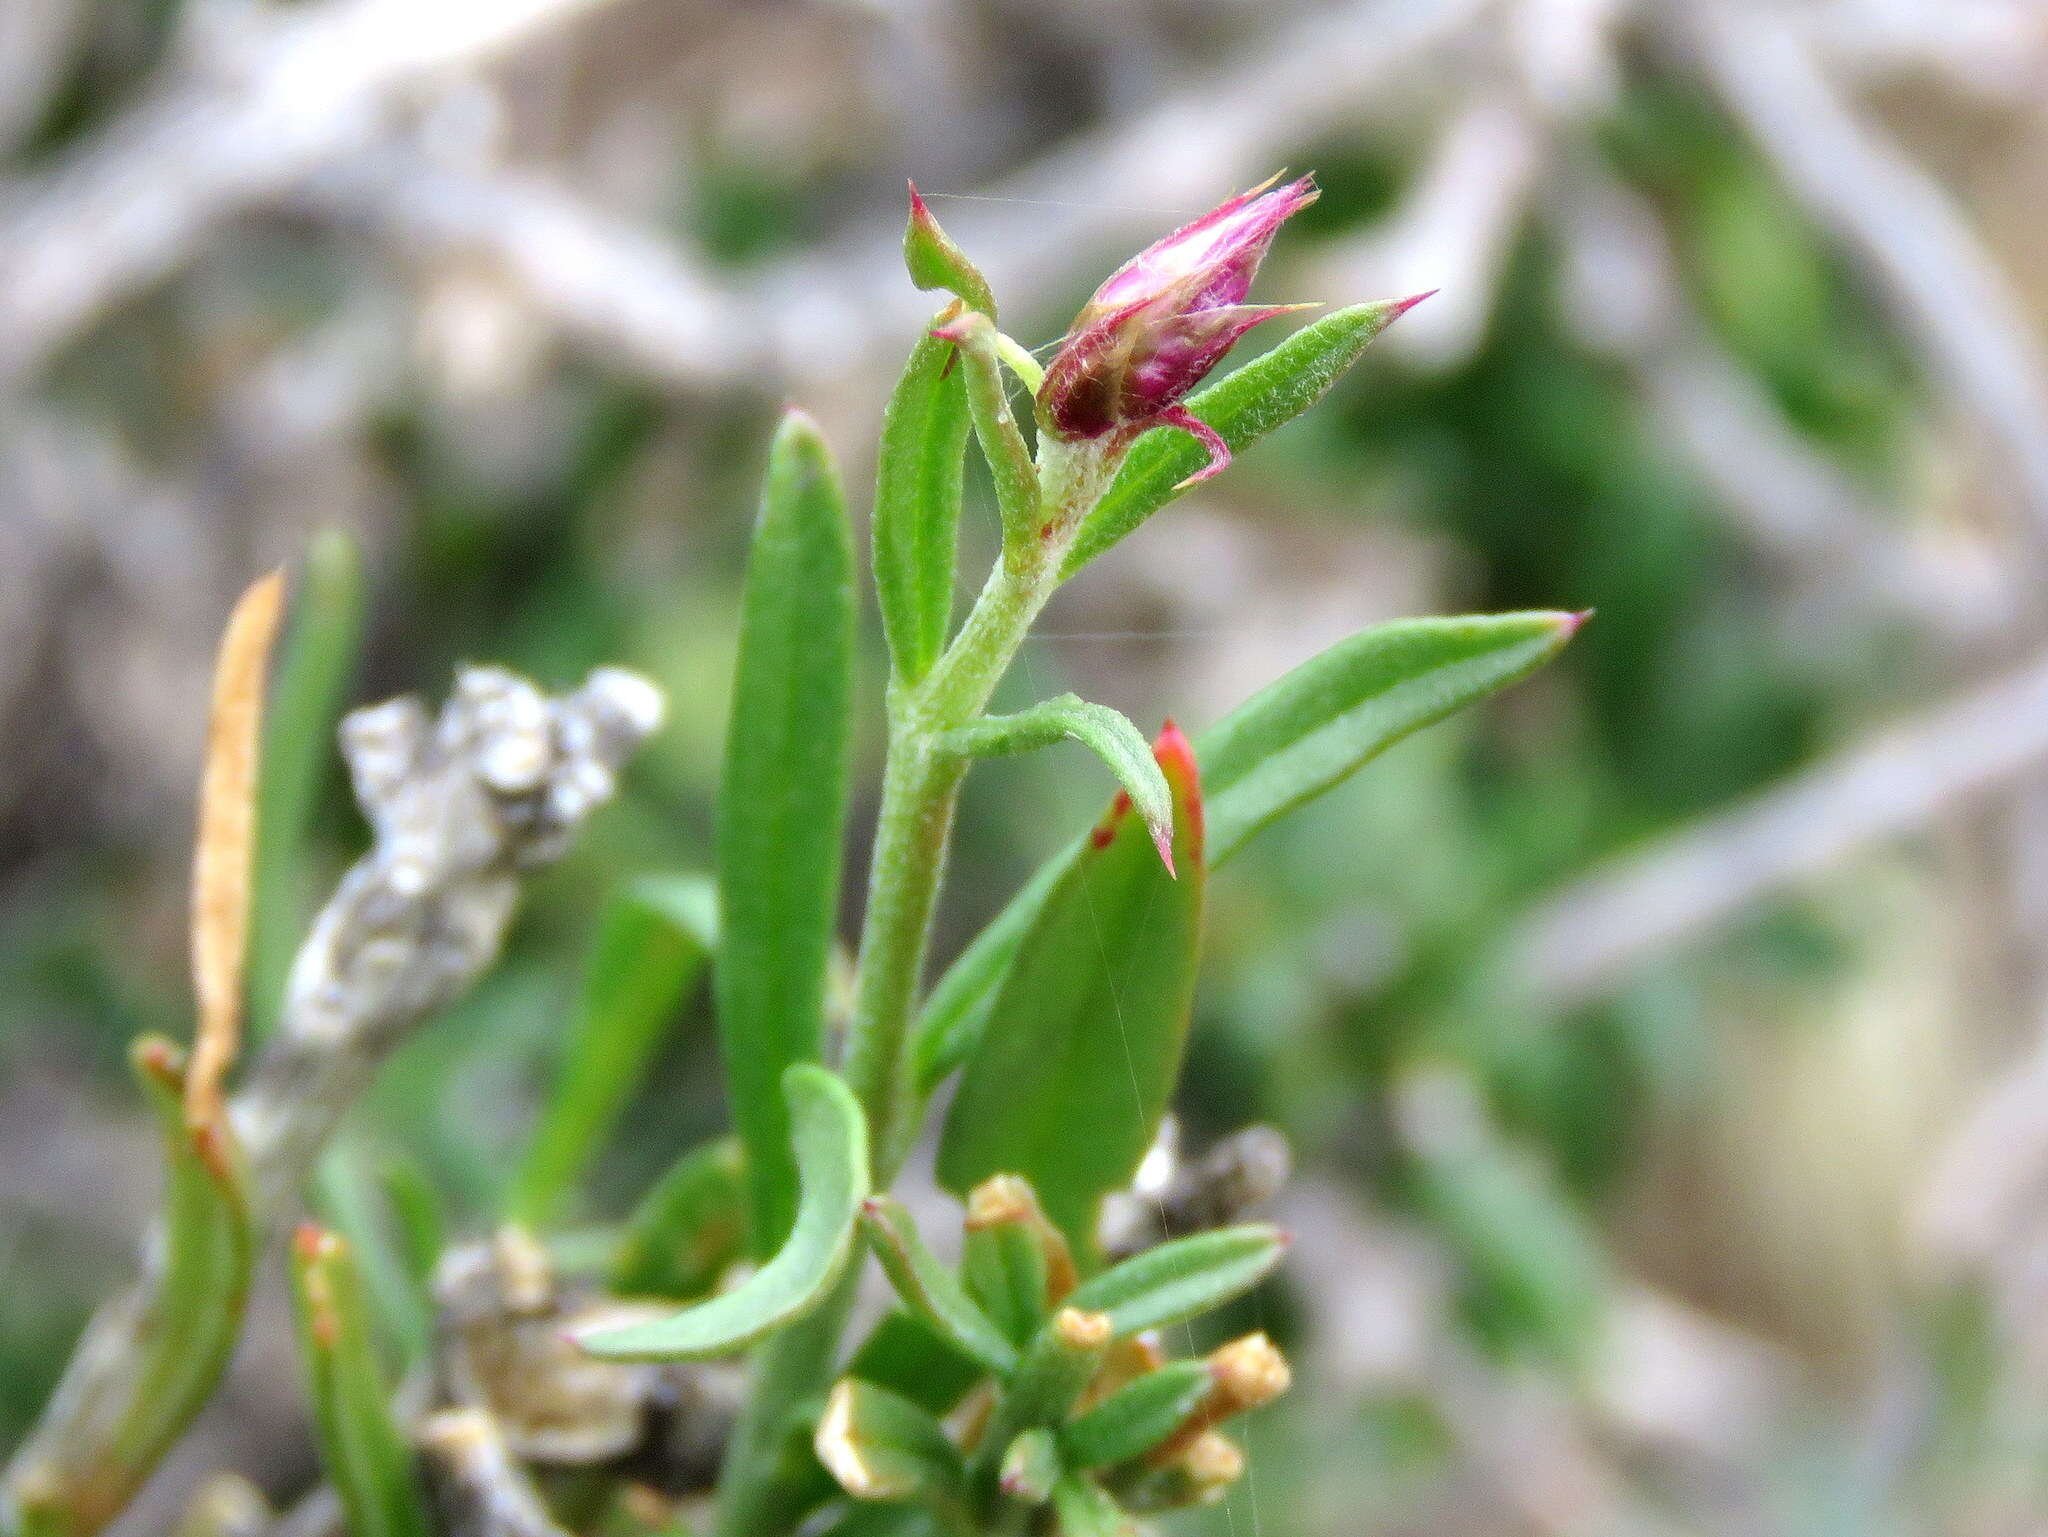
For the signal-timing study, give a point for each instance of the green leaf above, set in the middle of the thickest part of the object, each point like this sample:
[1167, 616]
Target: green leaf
[831, 1142]
[783, 806]
[1094, 1012]
[689, 1230]
[1335, 713]
[930, 1290]
[1015, 1262]
[192, 1305]
[1138, 1417]
[1243, 406]
[309, 690]
[366, 1456]
[1179, 1280]
[1086, 1510]
[935, 262]
[1031, 1467]
[908, 1356]
[954, 1015]
[1295, 739]
[348, 1197]
[652, 944]
[880, 1446]
[918, 473]
[1105, 732]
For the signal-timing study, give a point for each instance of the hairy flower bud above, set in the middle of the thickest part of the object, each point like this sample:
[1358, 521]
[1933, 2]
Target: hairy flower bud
[1163, 320]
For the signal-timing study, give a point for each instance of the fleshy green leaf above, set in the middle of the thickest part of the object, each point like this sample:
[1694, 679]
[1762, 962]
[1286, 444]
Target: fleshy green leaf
[918, 473]
[831, 1143]
[930, 1290]
[1105, 732]
[366, 1457]
[1095, 1011]
[689, 1230]
[1015, 1262]
[1136, 1418]
[935, 262]
[652, 943]
[1031, 1467]
[1325, 720]
[1295, 739]
[193, 1306]
[1086, 1510]
[309, 689]
[1243, 406]
[880, 1446]
[1184, 1278]
[783, 806]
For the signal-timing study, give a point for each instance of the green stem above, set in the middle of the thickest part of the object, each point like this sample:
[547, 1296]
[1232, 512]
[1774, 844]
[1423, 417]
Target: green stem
[921, 788]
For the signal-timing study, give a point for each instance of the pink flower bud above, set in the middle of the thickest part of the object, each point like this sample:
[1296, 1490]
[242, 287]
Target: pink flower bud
[1163, 320]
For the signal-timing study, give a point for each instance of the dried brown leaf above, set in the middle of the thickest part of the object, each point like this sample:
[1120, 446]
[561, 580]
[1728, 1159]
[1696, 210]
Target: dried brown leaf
[225, 849]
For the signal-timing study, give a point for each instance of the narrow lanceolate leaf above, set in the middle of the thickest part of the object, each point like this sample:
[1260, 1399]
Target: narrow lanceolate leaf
[192, 1304]
[366, 1456]
[1094, 1011]
[1103, 731]
[308, 693]
[1086, 1510]
[1297, 738]
[652, 943]
[918, 471]
[931, 1291]
[831, 1143]
[688, 1231]
[1137, 1418]
[1182, 1279]
[783, 805]
[225, 851]
[1323, 721]
[880, 1446]
[1243, 407]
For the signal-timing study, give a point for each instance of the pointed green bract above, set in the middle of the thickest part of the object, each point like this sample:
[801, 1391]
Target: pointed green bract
[1338, 711]
[690, 1229]
[1136, 1418]
[1185, 1278]
[782, 806]
[1105, 732]
[652, 945]
[193, 1301]
[1094, 1012]
[918, 475]
[1243, 406]
[936, 262]
[365, 1454]
[1086, 1510]
[831, 1144]
[931, 1291]
[1292, 741]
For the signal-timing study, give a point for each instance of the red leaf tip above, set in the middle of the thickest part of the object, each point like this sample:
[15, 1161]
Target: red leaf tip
[1572, 623]
[1403, 306]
